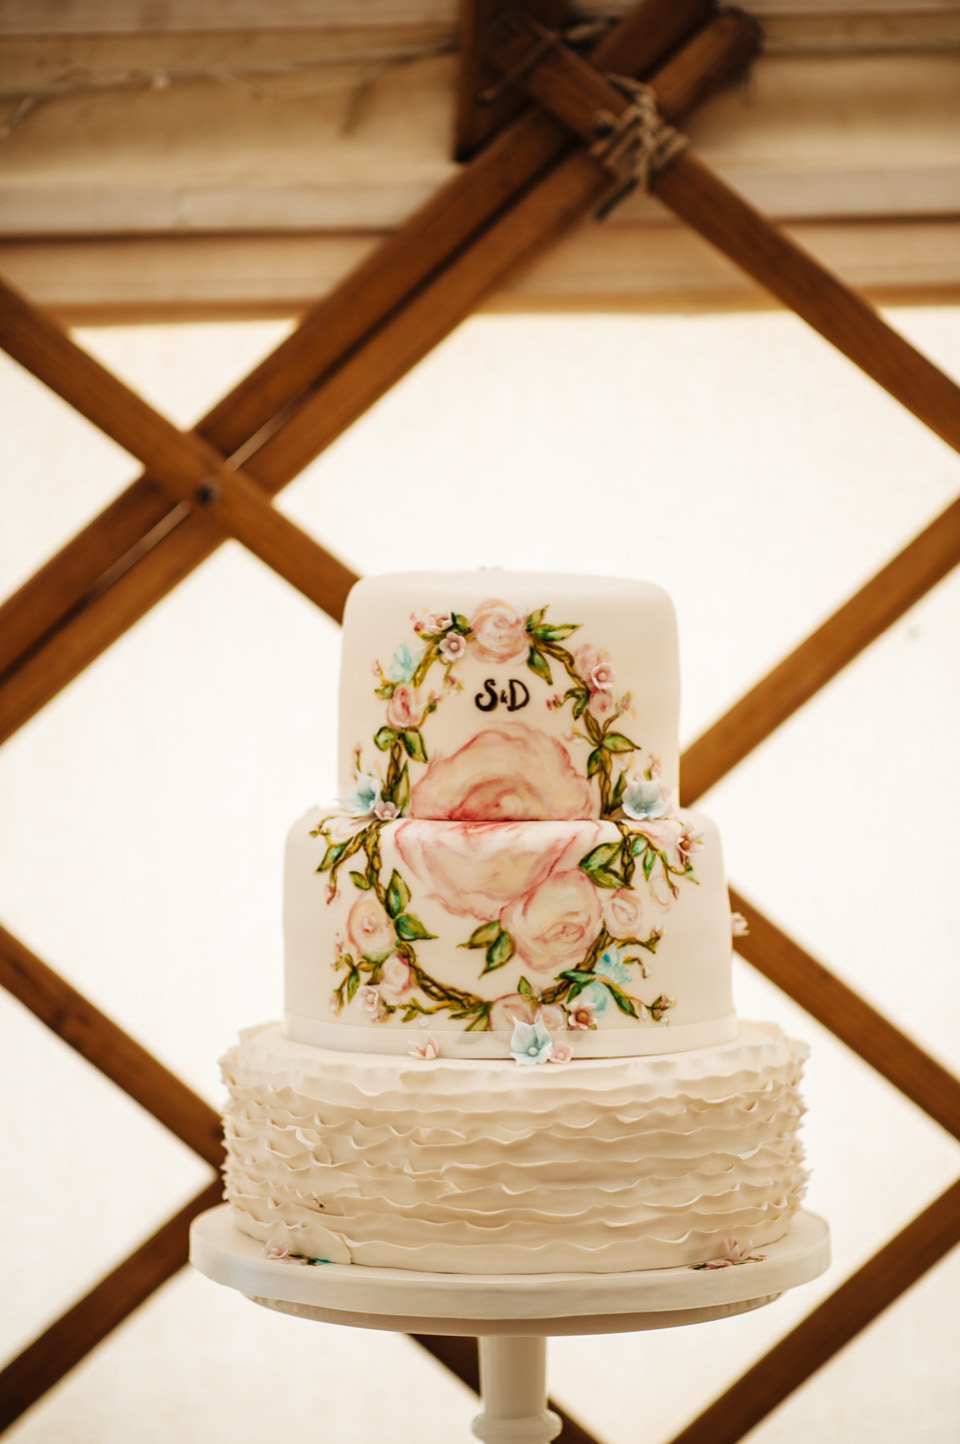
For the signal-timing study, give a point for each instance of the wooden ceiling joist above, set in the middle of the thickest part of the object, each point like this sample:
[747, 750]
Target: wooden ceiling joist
[522, 188]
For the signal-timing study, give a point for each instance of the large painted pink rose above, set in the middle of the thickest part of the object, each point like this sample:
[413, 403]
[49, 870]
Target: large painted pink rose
[554, 926]
[622, 913]
[505, 774]
[403, 709]
[475, 868]
[499, 633]
[369, 930]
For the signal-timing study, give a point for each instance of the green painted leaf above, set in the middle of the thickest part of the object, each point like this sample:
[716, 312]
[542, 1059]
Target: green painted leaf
[535, 618]
[480, 1024]
[616, 742]
[484, 935]
[524, 988]
[401, 793]
[460, 623]
[398, 894]
[593, 761]
[361, 881]
[500, 951]
[555, 634]
[385, 692]
[538, 663]
[580, 706]
[579, 975]
[353, 983]
[622, 1002]
[410, 928]
[649, 861]
[617, 795]
[606, 877]
[332, 856]
[413, 743]
[385, 738]
[600, 857]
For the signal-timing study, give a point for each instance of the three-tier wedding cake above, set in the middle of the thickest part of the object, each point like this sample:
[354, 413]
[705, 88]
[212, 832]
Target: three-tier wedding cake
[509, 1043]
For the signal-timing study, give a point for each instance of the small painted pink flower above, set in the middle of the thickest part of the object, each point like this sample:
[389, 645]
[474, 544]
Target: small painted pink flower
[622, 912]
[396, 979]
[426, 1047]
[602, 705]
[275, 1248]
[369, 1000]
[453, 647]
[370, 931]
[499, 632]
[404, 712]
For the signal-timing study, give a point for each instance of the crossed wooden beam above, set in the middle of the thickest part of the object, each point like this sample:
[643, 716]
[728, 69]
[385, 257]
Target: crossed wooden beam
[539, 173]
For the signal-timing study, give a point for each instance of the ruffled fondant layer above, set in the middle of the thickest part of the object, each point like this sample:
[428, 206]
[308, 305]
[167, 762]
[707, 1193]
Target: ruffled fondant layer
[450, 1165]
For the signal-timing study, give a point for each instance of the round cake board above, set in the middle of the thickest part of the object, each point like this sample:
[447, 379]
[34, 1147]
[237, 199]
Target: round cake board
[511, 1314]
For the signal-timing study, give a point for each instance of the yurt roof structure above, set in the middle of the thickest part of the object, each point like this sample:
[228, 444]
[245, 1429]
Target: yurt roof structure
[384, 170]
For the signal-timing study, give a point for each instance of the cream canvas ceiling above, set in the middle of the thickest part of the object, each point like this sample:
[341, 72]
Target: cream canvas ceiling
[178, 156]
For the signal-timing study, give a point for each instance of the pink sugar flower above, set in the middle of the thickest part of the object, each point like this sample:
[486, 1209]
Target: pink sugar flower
[426, 1047]
[560, 1052]
[275, 1248]
[581, 1015]
[453, 647]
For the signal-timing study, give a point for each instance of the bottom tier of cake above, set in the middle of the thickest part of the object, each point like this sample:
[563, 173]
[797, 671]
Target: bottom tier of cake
[489, 1167]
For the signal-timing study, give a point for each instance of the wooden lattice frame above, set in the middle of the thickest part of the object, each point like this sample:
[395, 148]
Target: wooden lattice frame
[535, 177]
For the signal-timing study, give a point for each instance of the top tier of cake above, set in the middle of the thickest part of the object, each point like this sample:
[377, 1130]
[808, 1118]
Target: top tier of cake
[496, 696]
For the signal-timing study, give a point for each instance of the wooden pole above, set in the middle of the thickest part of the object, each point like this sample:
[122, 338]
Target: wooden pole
[831, 1326]
[874, 608]
[849, 1017]
[65, 1343]
[101, 1042]
[186, 465]
[560, 195]
[330, 332]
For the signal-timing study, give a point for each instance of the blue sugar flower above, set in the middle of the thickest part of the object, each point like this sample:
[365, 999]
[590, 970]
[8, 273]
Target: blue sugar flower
[643, 799]
[364, 798]
[530, 1042]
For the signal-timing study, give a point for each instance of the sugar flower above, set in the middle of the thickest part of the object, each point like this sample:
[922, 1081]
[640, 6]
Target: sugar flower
[645, 798]
[531, 1042]
[426, 1047]
[560, 1052]
[734, 1255]
[739, 926]
[275, 1248]
[453, 647]
[582, 1013]
[364, 798]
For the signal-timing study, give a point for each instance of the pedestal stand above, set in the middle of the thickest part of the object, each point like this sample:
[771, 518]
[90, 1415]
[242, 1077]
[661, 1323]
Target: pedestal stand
[511, 1315]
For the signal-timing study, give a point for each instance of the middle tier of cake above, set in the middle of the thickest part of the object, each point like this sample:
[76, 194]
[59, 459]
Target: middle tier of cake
[607, 939]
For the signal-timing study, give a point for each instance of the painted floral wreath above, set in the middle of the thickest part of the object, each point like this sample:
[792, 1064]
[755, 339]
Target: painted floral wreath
[379, 958]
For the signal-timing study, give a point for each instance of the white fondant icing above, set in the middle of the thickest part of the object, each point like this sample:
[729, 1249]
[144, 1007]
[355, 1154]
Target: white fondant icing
[454, 1165]
[645, 967]
[470, 664]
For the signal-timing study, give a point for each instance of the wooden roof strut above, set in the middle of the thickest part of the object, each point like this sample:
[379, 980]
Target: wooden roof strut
[533, 178]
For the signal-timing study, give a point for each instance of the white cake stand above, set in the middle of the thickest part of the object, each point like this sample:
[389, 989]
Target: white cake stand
[511, 1315]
